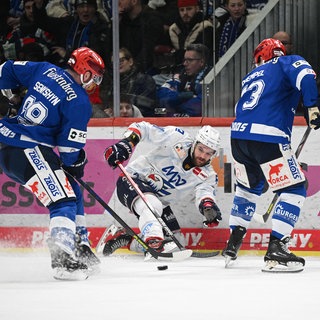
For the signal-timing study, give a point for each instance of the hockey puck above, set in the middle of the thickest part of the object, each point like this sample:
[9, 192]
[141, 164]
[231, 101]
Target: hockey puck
[162, 267]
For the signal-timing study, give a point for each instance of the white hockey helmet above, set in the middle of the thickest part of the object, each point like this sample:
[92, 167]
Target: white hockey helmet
[208, 136]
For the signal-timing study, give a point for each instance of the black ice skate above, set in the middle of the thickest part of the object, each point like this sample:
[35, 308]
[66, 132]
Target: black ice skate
[234, 244]
[65, 265]
[280, 259]
[118, 240]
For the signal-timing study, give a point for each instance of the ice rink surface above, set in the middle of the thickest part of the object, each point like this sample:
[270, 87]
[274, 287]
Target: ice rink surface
[128, 288]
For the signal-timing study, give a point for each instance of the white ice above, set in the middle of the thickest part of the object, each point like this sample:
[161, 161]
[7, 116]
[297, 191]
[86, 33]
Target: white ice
[128, 288]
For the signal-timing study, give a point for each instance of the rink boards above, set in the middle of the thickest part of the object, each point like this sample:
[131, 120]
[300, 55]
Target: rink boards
[24, 221]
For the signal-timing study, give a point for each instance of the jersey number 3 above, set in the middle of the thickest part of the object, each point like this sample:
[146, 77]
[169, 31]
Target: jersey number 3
[255, 89]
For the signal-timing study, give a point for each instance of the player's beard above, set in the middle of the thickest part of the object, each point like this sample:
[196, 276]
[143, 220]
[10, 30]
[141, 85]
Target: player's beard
[199, 162]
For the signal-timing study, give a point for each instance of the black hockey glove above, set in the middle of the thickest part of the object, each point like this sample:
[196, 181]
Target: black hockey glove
[7, 108]
[312, 116]
[118, 152]
[211, 212]
[77, 169]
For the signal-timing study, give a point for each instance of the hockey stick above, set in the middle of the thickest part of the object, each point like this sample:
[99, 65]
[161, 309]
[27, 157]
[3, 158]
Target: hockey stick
[174, 256]
[158, 217]
[266, 215]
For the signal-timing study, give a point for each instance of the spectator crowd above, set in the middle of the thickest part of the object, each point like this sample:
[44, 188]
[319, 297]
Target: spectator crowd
[166, 46]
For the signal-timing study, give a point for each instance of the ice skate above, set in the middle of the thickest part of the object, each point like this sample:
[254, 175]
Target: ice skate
[280, 259]
[84, 253]
[115, 241]
[234, 243]
[65, 265]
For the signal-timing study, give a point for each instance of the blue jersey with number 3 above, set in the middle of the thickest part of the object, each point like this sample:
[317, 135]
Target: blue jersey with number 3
[269, 98]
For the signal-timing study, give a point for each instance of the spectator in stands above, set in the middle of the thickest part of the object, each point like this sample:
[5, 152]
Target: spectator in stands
[286, 40]
[59, 9]
[86, 28]
[190, 27]
[32, 51]
[4, 14]
[140, 30]
[127, 108]
[231, 25]
[15, 12]
[140, 86]
[27, 32]
[181, 96]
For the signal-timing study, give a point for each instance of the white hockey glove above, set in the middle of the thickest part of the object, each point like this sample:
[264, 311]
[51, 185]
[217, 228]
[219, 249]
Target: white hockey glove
[211, 212]
[313, 117]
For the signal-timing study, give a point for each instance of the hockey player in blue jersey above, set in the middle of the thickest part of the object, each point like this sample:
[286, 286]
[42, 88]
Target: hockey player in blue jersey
[54, 114]
[261, 148]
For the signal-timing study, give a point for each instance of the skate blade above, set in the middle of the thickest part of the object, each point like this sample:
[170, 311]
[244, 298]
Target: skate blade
[228, 260]
[274, 267]
[64, 274]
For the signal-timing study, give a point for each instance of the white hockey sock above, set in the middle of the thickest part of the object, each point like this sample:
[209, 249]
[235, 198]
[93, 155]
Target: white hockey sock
[148, 224]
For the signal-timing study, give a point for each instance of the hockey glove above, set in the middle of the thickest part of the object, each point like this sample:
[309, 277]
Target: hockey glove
[77, 169]
[118, 152]
[7, 108]
[211, 212]
[312, 116]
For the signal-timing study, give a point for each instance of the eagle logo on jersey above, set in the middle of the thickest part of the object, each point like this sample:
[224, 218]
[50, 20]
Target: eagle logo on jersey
[155, 181]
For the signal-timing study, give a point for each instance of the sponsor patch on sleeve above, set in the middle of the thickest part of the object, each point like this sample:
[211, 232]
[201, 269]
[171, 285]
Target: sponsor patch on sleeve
[77, 135]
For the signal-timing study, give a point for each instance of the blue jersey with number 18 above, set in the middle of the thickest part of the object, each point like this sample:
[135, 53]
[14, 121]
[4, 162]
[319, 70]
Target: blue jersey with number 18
[269, 99]
[55, 111]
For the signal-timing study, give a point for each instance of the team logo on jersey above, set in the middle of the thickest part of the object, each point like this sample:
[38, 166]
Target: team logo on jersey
[179, 149]
[274, 174]
[155, 181]
[77, 135]
[200, 173]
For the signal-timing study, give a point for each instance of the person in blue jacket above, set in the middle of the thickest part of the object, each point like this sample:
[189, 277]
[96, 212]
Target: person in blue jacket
[181, 96]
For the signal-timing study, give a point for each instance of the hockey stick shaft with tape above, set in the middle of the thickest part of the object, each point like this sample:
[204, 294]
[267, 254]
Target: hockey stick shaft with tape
[304, 138]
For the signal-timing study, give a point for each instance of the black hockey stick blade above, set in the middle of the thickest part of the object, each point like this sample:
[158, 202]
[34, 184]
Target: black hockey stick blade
[266, 215]
[210, 254]
[173, 256]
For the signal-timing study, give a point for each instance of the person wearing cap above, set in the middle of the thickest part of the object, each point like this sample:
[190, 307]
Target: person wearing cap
[85, 28]
[190, 27]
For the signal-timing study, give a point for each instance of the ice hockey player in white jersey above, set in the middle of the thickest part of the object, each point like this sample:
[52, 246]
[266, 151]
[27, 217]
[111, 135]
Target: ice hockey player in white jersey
[54, 114]
[261, 148]
[176, 168]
